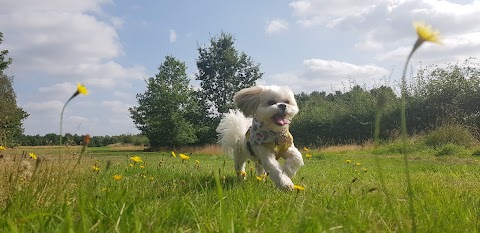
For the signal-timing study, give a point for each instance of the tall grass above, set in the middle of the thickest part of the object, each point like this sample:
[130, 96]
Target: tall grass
[168, 195]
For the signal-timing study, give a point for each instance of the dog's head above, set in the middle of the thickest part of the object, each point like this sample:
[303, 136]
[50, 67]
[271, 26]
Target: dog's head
[272, 105]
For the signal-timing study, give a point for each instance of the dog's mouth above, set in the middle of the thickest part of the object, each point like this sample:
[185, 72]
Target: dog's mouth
[280, 120]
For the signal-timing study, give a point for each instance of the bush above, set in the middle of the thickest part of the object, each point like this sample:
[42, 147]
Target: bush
[450, 134]
[450, 149]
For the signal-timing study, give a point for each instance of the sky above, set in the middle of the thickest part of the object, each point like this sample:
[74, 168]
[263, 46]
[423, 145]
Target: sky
[309, 45]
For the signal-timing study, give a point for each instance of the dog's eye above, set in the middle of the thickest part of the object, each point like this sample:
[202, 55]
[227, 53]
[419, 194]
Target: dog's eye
[271, 102]
[287, 102]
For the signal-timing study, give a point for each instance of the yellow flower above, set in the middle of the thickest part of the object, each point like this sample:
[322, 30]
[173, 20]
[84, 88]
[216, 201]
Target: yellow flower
[136, 159]
[305, 149]
[426, 33]
[95, 168]
[308, 156]
[184, 157]
[262, 177]
[151, 178]
[32, 155]
[141, 166]
[131, 165]
[173, 154]
[244, 174]
[117, 177]
[348, 161]
[364, 169]
[197, 162]
[358, 164]
[2, 148]
[81, 89]
[298, 187]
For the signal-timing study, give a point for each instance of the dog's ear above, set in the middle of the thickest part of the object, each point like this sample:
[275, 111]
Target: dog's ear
[247, 100]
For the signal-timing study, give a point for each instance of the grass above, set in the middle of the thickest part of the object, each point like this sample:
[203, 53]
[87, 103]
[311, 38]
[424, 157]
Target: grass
[169, 195]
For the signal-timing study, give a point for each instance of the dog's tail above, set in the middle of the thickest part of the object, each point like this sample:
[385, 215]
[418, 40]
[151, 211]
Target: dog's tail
[231, 131]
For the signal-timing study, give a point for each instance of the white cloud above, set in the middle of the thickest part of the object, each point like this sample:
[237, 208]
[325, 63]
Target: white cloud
[385, 27]
[173, 36]
[328, 75]
[117, 106]
[64, 41]
[275, 26]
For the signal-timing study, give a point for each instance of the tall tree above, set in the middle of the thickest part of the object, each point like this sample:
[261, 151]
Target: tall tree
[222, 71]
[163, 111]
[11, 115]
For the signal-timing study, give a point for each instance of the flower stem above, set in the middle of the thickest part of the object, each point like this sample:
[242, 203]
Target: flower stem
[404, 137]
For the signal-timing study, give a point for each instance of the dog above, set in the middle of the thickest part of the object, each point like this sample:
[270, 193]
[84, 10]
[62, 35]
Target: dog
[259, 133]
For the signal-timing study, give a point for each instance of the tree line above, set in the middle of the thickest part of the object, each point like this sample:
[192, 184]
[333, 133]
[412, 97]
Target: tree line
[68, 139]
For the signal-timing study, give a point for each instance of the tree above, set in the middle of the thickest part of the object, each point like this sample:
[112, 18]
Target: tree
[163, 110]
[11, 116]
[222, 71]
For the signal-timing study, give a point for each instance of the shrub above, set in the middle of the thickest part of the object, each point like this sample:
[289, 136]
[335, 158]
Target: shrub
[450, 149]
[450, 134]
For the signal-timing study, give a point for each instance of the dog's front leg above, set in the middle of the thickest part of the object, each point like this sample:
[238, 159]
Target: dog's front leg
[293, 161]
[275, 171]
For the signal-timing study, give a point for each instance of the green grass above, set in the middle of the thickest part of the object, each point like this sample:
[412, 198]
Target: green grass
[169, 195]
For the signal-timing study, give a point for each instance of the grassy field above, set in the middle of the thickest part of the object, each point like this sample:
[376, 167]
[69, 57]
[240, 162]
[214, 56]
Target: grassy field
[343, 192]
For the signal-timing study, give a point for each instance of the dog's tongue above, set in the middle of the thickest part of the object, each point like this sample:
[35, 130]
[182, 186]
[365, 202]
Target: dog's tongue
[279, 120]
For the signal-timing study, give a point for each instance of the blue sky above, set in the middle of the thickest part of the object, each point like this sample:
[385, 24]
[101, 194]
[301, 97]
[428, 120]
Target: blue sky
[309, 45]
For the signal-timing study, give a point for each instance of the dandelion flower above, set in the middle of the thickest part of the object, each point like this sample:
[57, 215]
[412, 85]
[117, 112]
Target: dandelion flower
[173, 154]
[348, 161]
[184, 157]
[136, 159]
[141, 166]
[32, 155]
[298, 187]
[426, 33]
[305, 149]
[95, 168]
[261, 177]
[243, 173]
[308, 156]
[2, 148]
[358, 164]
[197, 162]
[117, 177]
[81, 89]
[131, 165]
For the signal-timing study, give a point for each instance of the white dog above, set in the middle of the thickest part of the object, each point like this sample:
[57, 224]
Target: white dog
[261, 133]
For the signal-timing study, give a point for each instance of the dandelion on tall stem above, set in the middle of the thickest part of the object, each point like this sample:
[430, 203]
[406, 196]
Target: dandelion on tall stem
[424, 33]
[81, 89]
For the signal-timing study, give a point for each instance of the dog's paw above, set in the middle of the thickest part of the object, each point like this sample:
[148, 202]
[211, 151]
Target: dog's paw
[286, 184]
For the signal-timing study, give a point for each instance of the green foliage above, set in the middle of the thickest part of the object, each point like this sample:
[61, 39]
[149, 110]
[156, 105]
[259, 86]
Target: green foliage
[440, 95]
[164, 110]
[450, 149]
[11, 116]
[222, 71]
[338, 118]
[454, 134]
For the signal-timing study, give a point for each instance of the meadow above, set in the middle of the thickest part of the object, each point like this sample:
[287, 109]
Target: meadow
[108, 189]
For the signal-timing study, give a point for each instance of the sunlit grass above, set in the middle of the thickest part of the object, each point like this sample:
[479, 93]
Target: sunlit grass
[171, 195]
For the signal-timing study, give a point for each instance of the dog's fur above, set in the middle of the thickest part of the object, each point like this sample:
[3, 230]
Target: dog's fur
[273, 108]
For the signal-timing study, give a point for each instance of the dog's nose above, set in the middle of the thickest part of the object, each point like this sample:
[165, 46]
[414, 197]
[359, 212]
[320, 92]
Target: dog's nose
[283, 107]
